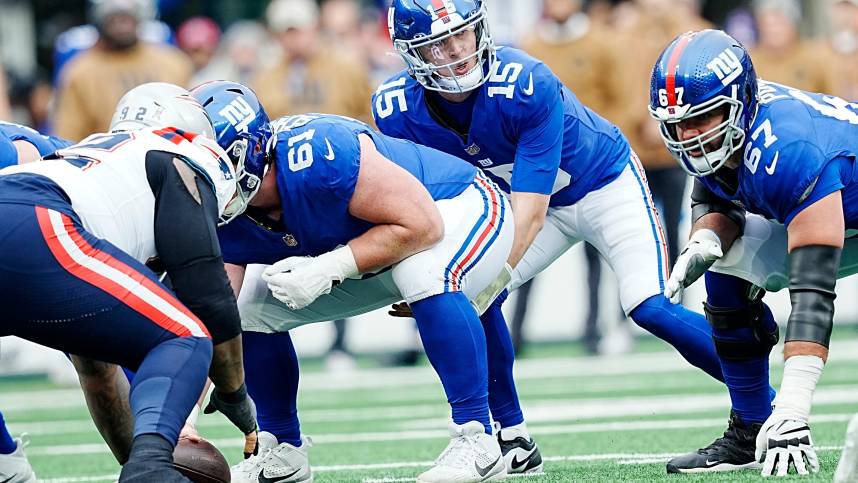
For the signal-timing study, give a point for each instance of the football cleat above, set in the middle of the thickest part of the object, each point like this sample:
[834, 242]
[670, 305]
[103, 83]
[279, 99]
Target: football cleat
[520, 453]
[733, 451]
[14, 467]
[472, 456]
[275, 463]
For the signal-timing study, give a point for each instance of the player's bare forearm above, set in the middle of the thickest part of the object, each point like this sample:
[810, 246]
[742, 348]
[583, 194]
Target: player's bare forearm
[529, 210]
[726, 229]
[404, 214]
[384, 245]
[227, 369]
[106, 390]
[235, 273]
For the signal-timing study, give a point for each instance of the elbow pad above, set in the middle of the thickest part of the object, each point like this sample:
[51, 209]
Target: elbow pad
[813, 274]
[704, 201]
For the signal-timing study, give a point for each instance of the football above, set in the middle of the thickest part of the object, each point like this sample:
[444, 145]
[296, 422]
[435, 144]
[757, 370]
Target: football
[200, 462]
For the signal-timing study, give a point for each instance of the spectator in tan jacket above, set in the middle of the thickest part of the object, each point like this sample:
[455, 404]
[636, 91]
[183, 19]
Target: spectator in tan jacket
[91, 84]
[782, 56]
[312, 76]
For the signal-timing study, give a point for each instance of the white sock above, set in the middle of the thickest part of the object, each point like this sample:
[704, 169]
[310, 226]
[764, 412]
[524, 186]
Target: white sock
[520, 427]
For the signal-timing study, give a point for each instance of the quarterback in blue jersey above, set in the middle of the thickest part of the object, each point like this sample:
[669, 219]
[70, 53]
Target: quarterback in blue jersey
[571, 174]
[786, 157]
[350, 220]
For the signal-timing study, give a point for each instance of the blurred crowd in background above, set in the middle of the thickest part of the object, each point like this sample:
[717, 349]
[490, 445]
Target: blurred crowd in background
[67, 62]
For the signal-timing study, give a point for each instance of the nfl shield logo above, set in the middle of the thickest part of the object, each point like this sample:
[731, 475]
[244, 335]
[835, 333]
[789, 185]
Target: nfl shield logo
[290, 240]
[473, 149]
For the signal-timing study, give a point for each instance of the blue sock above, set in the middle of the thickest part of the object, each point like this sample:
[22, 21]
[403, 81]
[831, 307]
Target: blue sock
[271, 373]
[687, 331]
[167, 385]
[503, 398]
[747, 379]
[455, 344]
[7, 444]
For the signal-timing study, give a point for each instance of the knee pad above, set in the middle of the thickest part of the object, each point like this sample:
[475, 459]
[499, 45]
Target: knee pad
[756, 316]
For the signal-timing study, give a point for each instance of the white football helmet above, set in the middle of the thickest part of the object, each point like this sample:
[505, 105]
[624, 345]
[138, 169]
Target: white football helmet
[160, 104]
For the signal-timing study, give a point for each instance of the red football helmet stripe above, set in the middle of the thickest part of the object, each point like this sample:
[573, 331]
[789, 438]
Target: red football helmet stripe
[440, 8]
[672, 65]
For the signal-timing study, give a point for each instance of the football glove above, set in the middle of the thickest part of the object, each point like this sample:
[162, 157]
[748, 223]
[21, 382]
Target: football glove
[299, 281]
[702, 250]
[782, 441]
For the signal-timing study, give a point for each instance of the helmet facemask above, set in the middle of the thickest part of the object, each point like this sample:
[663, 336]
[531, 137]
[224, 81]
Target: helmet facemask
[729, 130]
[250, 168]
[442, 78]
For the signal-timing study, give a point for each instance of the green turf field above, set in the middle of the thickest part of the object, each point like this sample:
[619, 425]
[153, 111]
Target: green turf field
[596, 419]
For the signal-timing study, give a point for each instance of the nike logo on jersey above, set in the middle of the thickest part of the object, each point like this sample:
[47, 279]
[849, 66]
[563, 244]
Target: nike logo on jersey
[771, 168]
[330, 156]
[265, 479]
[529, 90]
[483, 471]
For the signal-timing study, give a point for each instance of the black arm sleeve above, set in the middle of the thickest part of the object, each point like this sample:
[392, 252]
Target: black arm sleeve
[704, 201]
[187, 245]
[812, 277]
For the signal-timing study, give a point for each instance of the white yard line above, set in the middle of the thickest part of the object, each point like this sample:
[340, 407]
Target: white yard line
[600, 427]
[621, 458]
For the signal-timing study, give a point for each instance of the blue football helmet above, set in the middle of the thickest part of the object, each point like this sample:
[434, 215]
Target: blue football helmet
[697, 73]
[424, 25]
[242, 129]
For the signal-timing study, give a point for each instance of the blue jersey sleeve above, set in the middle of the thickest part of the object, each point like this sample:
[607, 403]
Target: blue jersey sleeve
[540, 114]
[834, 177]
[8, 153]
[789, 182]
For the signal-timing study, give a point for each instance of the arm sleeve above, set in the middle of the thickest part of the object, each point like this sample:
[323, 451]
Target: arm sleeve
[540, 144]
[187, 244]
[704, 201]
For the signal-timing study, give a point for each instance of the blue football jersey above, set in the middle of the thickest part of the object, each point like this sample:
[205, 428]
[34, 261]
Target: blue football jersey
[10, 132]
[801, 147]
[317, 158]
[528, 132]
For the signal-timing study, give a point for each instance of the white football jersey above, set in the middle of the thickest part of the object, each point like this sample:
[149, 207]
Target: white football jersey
[105, 177]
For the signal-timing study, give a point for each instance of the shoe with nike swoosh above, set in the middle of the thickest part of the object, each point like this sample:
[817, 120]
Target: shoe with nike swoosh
[731, 452]
[472, 456]
[520, 453]
[14, 467]
[275, 463]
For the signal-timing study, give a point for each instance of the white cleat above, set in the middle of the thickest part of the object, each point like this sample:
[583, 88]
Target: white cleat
[14, 467]
[471, 456]
[275, 463]
[520, 452]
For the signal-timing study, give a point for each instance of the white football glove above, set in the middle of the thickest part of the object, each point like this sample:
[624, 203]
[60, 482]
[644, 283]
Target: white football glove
[485, 298]
[702, 250]
[782, 440]
[299, 281]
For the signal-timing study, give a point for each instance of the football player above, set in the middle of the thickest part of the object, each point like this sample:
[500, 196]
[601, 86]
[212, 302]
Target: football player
[334, 203]
[571, 175]
[20, 145]
[786, 157]
[85, 219]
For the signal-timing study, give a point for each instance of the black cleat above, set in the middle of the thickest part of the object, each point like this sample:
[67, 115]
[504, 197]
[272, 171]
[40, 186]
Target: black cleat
[731, 452]
[520, 453]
